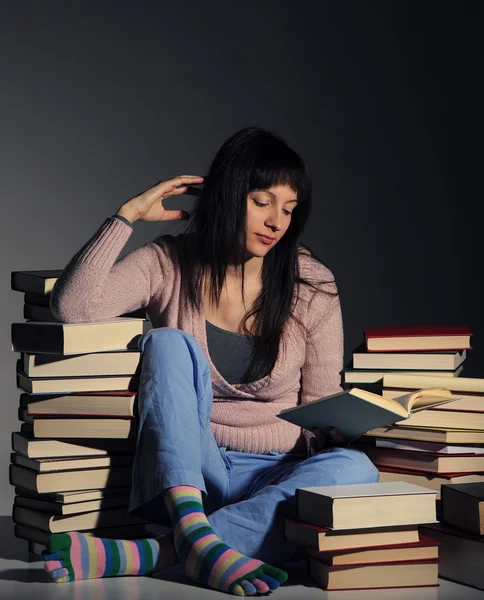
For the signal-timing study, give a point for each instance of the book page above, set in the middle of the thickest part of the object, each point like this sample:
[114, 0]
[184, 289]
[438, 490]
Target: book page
[426, 398]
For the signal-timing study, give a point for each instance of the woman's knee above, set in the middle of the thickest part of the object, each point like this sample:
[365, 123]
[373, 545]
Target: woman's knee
[347, 465]
[162, 337]
[363, 470]
[165, 346]
[169, 341]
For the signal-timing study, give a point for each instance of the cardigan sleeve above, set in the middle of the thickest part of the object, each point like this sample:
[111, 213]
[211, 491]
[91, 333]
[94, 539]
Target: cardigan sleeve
[96, 286]
[321, 372]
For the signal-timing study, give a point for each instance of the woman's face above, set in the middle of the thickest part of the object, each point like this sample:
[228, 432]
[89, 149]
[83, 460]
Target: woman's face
[268, 214]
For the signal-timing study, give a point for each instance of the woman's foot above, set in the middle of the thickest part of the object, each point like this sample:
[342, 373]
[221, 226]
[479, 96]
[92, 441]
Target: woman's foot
[208, 560]
[73, 556]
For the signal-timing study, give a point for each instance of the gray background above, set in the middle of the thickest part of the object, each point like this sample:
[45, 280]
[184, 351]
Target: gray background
[101, 100]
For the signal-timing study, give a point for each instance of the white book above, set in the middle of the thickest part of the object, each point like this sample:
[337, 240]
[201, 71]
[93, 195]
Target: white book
[366, 505]
[429, 447]
[122, 362]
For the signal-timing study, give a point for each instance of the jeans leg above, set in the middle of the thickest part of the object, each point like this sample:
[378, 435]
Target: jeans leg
[175, 444]
[255, 526]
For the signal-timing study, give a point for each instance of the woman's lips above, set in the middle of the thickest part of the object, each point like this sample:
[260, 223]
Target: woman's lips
[264, 239]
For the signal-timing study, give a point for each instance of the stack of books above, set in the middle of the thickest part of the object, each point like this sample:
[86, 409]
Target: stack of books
[436, 446]
[433, 350]
[366, 536]
[461, 534]
[72, 457]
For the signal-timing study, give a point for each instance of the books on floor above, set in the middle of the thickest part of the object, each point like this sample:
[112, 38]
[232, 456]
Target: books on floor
[72, 458]
[366, 535]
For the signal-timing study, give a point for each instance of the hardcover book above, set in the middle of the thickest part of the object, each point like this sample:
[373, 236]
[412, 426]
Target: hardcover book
[24, 443]
[38, 282]
[389, 339]
[424, 549]
[325, 539]
[76, 338]
[446, 360]
[356, 411]
[366, 505]
[121, 362]
[417, 574]
[463, 506]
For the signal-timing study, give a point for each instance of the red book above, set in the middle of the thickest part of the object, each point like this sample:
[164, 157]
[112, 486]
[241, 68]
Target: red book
[425, 337]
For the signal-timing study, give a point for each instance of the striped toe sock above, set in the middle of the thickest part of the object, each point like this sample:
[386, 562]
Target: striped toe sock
[207, 559]
[73, 556]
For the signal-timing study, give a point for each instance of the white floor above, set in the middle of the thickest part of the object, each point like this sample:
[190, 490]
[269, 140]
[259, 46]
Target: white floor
[21, 580]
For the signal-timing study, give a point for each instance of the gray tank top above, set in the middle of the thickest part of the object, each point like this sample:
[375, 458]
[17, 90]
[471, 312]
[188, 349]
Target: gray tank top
[230, 352]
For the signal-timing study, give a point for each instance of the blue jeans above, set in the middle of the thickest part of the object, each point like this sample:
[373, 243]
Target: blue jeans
[246, 496]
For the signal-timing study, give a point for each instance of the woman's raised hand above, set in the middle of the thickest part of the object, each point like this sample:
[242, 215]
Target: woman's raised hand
[148, 206]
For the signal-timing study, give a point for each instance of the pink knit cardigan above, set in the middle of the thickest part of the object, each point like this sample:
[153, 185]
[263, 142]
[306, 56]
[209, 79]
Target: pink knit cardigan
[96, 285]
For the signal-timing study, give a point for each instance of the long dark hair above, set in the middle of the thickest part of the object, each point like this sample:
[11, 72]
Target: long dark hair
[253, 158]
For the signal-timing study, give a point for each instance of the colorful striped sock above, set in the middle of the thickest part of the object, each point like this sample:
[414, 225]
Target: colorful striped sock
[208, 560]
[73, 556]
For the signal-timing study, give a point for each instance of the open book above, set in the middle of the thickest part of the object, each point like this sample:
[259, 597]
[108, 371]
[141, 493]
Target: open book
[354, 412]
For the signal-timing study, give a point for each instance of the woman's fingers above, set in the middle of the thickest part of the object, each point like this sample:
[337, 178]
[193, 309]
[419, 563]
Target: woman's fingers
[186, 190]
[325, 439]
[176, 215]
[335, 436]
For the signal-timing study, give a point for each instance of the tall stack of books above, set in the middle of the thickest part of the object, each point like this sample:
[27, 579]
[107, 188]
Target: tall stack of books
[72, 457]
[436, 446]
[441, 445]
[366, 536]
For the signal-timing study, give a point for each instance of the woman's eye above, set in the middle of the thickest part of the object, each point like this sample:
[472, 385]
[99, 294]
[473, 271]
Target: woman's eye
[286, 212]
